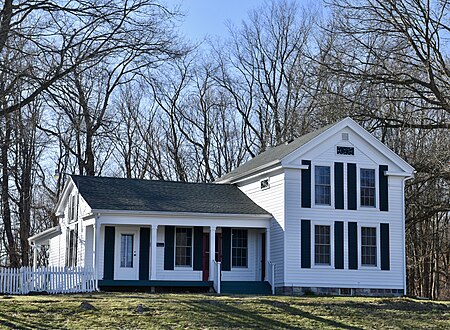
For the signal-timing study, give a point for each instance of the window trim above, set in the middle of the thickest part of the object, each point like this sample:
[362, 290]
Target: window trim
[183, 267]
[247, 248]
[313, 185]
[358, 190]
[313, 243]
[72, 208]
[378, 249]
[72, 252]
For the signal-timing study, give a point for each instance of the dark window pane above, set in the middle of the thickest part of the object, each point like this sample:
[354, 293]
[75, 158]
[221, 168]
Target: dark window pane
[368, 246]
[367, 187]
[322, 185]
[183, 251]
[322, 247]
[239, 247]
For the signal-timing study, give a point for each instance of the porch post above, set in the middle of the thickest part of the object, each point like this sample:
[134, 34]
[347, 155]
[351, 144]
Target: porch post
[34, 255]
[212, 252]
[153, 252]
[268, 269]
[96, 229]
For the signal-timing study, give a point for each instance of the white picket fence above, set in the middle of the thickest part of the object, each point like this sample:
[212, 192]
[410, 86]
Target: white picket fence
[47, 279]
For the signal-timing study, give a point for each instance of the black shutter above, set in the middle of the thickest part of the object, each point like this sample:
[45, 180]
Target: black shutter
[351, 186]
[384, 198]
[306, 244]
[384, 240]
[352, 245]
[339, 186]
[339, 244]
[306, 185]
[169, 236]
[198, 248]
[226, 249]
[108, 264]
[144, 253]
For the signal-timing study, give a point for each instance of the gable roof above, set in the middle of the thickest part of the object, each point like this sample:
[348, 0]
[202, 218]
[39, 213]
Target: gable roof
[272, 155]
[106, 193]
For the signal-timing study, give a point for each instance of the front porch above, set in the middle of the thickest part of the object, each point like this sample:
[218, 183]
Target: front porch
[227, 287]
[179, 254]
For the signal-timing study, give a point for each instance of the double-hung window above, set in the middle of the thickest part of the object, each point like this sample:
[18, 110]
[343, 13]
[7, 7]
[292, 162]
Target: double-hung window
[367, 187]
[322, 245]
[322, 185]
[183, 247]
[72, 208]
[71, 247]
[239, 248]
[368, 246]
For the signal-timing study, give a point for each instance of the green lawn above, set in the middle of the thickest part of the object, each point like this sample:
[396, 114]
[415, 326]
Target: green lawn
[202, 311]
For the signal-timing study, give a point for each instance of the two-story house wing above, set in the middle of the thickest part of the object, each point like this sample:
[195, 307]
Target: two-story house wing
[337, 200]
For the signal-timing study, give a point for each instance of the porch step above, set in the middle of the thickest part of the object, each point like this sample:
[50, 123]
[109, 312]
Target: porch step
[246, 287]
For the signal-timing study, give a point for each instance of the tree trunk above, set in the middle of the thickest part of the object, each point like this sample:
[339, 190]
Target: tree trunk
[6, 211]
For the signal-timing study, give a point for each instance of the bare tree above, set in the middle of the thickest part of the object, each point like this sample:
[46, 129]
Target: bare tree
[265, 71]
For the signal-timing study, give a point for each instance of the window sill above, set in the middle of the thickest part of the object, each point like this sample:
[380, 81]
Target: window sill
[322, 266]
[183, 268]
[324, 206]
[369, 267]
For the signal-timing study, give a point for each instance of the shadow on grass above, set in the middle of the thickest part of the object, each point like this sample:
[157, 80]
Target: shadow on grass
[403, 305]
[7, 321]
[223, 314]
[287, 308]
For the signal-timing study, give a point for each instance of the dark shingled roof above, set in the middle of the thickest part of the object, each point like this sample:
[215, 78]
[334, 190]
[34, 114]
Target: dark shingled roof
[273, 154]
[104, 193]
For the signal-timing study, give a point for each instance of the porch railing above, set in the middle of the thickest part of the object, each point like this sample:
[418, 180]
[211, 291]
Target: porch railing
[47, 279]
[217, 276]
[271, 275]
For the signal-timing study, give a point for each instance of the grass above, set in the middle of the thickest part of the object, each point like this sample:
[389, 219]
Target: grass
[204, 311]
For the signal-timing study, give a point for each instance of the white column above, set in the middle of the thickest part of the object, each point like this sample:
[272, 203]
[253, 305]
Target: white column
[266, 275]
[153, 252]
[212, 251]
[34, 255]
[95, 257]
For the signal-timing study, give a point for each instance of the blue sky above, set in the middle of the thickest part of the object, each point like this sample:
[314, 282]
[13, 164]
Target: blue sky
[208, 17]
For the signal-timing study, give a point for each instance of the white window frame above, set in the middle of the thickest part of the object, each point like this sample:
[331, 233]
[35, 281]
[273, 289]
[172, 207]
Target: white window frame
[76, 232]
[360, 265]
[240, 267]
[313, 243]
[358, 190]
[175, 249]
[313, 185]
[72, 208]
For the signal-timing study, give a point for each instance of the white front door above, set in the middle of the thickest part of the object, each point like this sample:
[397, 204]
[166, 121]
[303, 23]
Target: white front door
[126, 254]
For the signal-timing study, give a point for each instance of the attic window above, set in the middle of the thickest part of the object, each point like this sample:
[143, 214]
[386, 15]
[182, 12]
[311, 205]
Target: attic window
[344, 136]
[265, 184]
[350, 151]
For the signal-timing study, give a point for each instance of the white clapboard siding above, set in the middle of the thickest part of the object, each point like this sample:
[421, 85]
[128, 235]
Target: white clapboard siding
[272, 200]
[47, 279]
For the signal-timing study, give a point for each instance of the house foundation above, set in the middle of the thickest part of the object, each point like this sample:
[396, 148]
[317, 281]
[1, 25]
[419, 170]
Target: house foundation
[324, 291]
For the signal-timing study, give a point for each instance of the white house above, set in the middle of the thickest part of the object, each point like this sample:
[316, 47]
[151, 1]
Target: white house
[323, 213]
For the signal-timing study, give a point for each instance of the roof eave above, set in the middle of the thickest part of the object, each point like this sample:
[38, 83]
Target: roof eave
[239, 177]
[45, 235]
[182, 214]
